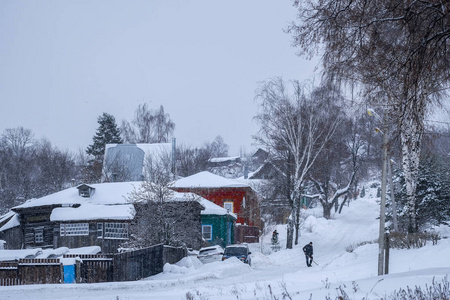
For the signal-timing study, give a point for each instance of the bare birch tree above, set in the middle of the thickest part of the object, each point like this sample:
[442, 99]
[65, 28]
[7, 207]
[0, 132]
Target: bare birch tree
[148, 126]
[335, 169]
[399, 49]
[292, 127]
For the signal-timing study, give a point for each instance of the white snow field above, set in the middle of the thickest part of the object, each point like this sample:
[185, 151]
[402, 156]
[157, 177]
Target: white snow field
[282, 274]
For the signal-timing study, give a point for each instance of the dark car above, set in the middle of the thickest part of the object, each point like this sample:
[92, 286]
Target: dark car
[240, 251]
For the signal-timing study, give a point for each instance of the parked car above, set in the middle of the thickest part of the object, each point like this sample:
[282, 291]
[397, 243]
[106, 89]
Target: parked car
[240, 251]
[210, 254]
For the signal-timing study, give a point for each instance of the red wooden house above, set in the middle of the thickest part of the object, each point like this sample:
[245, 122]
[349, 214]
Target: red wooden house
[237, 197]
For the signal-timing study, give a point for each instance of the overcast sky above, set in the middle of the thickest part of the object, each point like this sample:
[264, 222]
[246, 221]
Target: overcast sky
[64, 63]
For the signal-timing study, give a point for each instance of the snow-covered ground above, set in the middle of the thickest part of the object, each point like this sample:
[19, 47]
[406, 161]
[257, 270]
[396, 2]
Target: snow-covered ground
[273, 274]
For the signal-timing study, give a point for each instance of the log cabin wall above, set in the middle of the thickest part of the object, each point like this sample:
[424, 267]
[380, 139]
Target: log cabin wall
[37, 228]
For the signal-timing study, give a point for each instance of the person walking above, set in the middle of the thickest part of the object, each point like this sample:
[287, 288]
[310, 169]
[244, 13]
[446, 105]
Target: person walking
[308, 250]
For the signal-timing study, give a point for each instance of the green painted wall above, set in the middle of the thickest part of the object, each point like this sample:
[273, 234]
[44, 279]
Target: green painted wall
[220, 229]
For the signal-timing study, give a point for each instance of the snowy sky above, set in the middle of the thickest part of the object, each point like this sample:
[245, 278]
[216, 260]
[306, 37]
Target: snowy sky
[64, 63]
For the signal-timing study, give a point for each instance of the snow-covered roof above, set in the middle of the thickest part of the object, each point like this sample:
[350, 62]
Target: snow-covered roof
[223, 159]
[18, 254]
[105, 193]
[6, 216]
[214, 209]
[88, 212]
[85, 250]
[6, 255]
[109, 202]
[13, 222]
[52, 253]
[206, 179]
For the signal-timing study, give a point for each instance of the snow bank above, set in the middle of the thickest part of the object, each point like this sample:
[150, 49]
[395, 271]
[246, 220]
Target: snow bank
[186, 265]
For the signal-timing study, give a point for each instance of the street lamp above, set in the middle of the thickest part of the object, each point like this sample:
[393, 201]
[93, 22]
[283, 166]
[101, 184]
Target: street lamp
[371, 112]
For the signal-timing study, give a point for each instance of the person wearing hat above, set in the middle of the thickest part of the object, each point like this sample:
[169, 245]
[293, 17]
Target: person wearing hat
[308, 250]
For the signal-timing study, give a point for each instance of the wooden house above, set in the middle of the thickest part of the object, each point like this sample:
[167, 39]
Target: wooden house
[86, 215]
[236, 197]
[101, 215]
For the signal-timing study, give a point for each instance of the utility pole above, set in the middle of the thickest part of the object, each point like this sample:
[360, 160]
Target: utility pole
[381, 237]
[383, 201]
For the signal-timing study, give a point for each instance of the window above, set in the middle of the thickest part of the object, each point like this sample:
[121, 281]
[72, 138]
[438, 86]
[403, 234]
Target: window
[39, 236]
[74, 229]
[228, 206]
[207, 232]
[99, 230]
[116, 231]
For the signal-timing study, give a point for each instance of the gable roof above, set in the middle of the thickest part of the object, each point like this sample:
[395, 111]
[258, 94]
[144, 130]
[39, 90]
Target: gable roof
[12, 222]
[88, 212]
[206, 179]
[106, 193]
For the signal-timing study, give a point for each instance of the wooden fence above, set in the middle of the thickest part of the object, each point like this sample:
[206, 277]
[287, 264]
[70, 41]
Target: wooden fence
[138, 264]
[9, 274]
[31, 271]
[126, 266]
[146, 262]
[93, 267]
[246, 234]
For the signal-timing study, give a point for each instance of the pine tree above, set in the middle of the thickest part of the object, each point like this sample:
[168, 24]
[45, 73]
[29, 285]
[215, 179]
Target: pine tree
[107, 133]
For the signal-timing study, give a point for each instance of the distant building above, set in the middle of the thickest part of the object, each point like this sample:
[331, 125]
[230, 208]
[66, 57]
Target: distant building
[130, 162]
[229, 167]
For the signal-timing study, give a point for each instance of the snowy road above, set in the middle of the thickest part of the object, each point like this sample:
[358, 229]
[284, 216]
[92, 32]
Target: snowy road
[279, 272]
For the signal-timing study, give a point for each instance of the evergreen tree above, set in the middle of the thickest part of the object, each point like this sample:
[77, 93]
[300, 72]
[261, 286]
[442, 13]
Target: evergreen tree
[432, 195]
[107, 133]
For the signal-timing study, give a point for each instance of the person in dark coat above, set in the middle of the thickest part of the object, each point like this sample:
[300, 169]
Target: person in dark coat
[308, 250]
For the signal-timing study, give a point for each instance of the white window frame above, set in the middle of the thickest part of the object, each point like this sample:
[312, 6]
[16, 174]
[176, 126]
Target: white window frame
[116, 231]
[99, 230]
[74, 229]
[39, 236]
[207, 229]
[229, 203]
